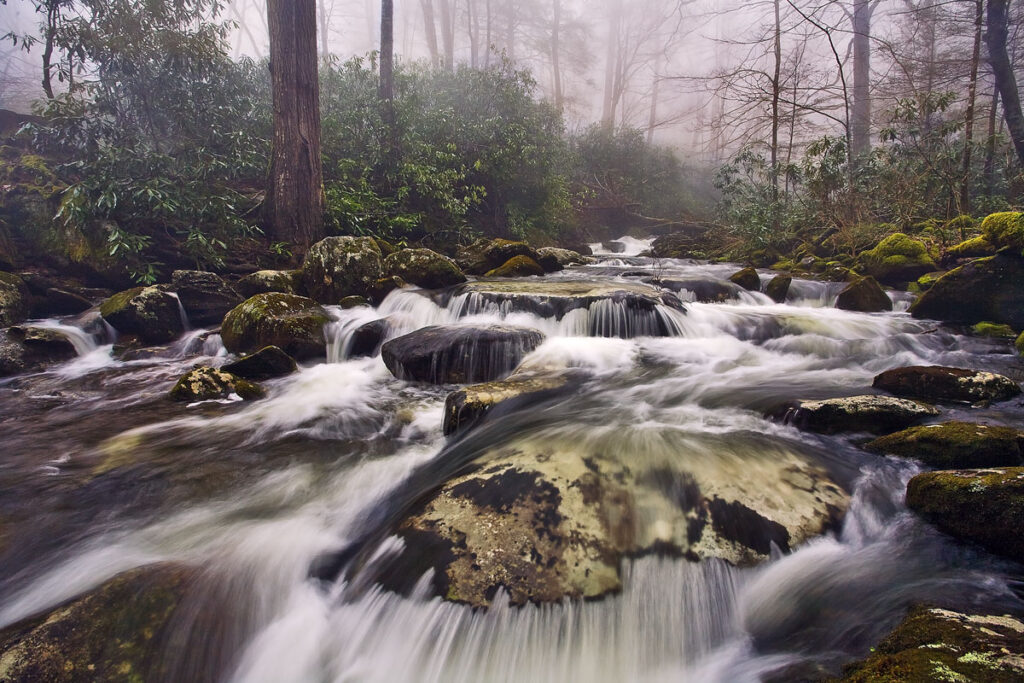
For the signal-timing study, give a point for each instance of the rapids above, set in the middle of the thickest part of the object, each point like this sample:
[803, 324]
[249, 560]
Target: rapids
[102, 474]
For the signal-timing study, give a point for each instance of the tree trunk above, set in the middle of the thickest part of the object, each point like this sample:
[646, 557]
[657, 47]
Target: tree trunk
[611, 65]
[430, 28]
[652, 121]
[448, 33]
[972, 99]
[324, 20]
[1003, 70]
[861, 114]
[990, 144]
[556, 48]
[776, 97]
[473, 31]
[294, 205]
[490, 44]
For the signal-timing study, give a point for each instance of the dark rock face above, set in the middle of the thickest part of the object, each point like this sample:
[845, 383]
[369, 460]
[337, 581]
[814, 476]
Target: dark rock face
[56, 301]
[864, 295]
[873, 414]
[367, 339]
[206, 297]
[149, 313]
[517, 266]
[747, 279]
[935, 383]
[341, 266]
[267, 282]
[990, 289]
[778, 288]
[267, 363]
[424, 268]
[614, 247]
[680, 245]
[209, 384]
[465, 407]
[292, 323]
[704, 290]
[459, 354]
[485, 255]
[979, 506]
[25, 349]
[955, 445]
[13, 299]
[934, 644]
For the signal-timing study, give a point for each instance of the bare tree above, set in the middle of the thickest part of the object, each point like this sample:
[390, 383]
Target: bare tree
[1002, 68]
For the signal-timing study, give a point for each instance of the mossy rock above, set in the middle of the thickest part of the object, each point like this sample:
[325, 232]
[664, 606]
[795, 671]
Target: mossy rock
[864, 295]
[25, 349]
[872, 414]
[337, 267]
[989, 289]
[114, 633]
[1019, 344]
[14, 299]
[553, 259]
[1005, 230]
[350, 302]
[928, 280]
[976, 247]
[984, 506]
[209, 384]
[269, 281]
[386, 248]
[424, 268]
[383, 287]
[465, 407]
[485, 255]
[934, 644]
[955, 445]
[987, 329]
[747, 279]
[896, 260]
[267, 363]
[517, 266]
[292, 323]
[149, 313]
[937, 383]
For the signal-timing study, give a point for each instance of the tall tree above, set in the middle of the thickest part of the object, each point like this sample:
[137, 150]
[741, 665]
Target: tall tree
[387, 67]
[860, 110]
[1002, 68]
[972, 100]
[295, 195]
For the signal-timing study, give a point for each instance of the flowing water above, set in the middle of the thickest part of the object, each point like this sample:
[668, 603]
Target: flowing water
[102, 474]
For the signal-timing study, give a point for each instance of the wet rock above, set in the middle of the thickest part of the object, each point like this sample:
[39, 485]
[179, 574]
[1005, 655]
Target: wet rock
[341, 266]
[864, 295]
[614, 246]
[981, 506]
[553, 259]
[267, 363]
[384, 286]
[703, 290]
[747, 279]
[14, 298]
[1019, 344]
[934, 644]
[149, 313]
[517, 266]
[485, 255]
[292, 323]
[114, 633]
[210, 384]
[778, 288]
[955, 445]
[206, 297]
[465, 407]
[367, 339]
[459, 354]
[989, 289]
[27, 349]
[936, 383]
[267, 282]
[56, 302]
[873, 414]
[424, 268]
[353, 302]
[897, 260]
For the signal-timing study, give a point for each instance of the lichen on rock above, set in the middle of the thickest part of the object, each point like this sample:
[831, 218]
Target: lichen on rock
[209, 384]
[292, 323]
[423, 268]
[337, 267]
[955, 445]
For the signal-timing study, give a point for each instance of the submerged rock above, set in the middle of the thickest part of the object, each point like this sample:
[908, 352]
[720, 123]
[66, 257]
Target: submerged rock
[267, 363]
[864, 295]
[747, 279]
[337, 267]
[206, 297]
[267, 282]
[149, 313]
[873, 414]
[459, 354]
[989, 289]
[209, 384]
[897, 260]
[424, 268]
[934, 644]
[517, 266]
[955, 445]
[292, 323]
[778, 288]
[981, 506]
[13, 299]
[936, 383]
[26, 349]
[485, 255]
[466, 406]
[703, 290]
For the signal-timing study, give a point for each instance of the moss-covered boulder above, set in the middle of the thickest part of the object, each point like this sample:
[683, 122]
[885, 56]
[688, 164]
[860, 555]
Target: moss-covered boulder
[267, 363]
[1019, 344]
[994, 330]
[26, 349]
[747, 279]
[149, 313]
[1005, 231]
[267, 282]
[778, 288]
[983, 506]
[465, 407]
[937, 383]
[934, 644]
[955, 445]
[386, 248]
[680, 245]
[872, 414]
[350, 302]
[341, 266]
[459, 354]
[864, 295]
[485, 255]
[552, 259]
[206, 297]
[517, 266]
[14, 299]
[424, 268]
[976, 247]
[210, 384]
[292, 323]
[989, 289]
[114, 633]
[896, 260]
[928, 280]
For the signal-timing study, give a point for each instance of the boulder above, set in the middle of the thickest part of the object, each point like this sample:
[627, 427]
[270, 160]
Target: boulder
[26, 349]
[989, 289]
[897, 260]
[678, 245]
[936, 383]
[209, 384]
[350, 302]
[459, 354]
[702, 290]
[994, 330]
[149, 313]
[366, 340]
[864, 295]
[206, 297]
[927, 281]
[386, 248]
[13, 300]
[778, 288]
[873, 414]
[983, 506]
[1005, 231]
[485, 255]
[468, 405]
[341, 266]
[955, 445]
[553, 259]
[268, 281]
[383, 287]
[747, 279]
[56, 302]
[424, 268]
[933, 644]
[976, 247]
[517, 266]
[114, 633]
[292, 323]
[1019, 344]
[267, 363]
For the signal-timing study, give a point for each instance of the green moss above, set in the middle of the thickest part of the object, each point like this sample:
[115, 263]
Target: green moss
[955, 445]
[292, 323]
[1005, 230]
[119, 302]
[976, 247]
[896, 259]
[1020, 344]
[987, 329]
[517, 266]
